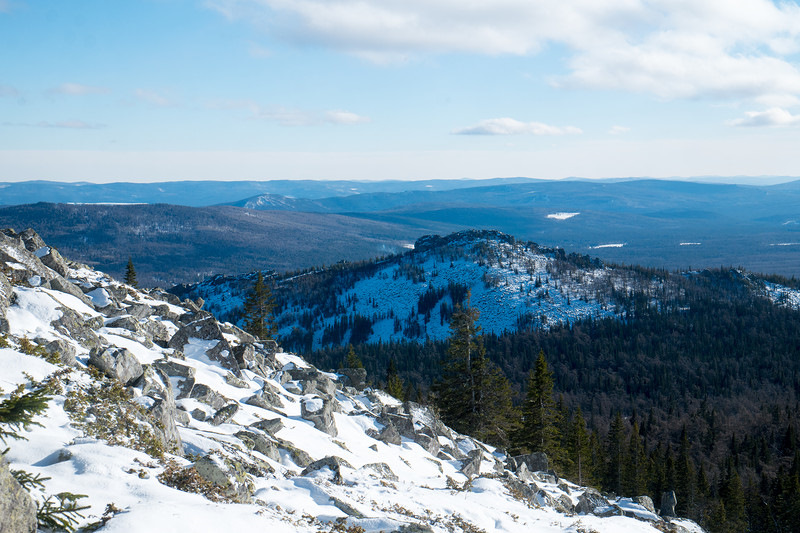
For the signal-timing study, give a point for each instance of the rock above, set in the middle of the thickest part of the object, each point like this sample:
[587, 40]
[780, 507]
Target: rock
[230, 476]
[563, 504]
[205, 327]
[646, 502]
[117, 363]
[64, 350]
[17, 508]
[260, 444]
[270, 427]
[319, 411]
[524, 474]
[268, 398]
[472, 465]
[60, 284]
[381, 470]
[301, 458]
[388, 434]
[668, 502]
[52, 259]
[164, 413]
[224, 415]
[354, 377]
[233, 381]
[173, 369]
[535, 462]
[332, 462]
[346, 508]
[589, 501]
[415, 528]
[208, 396]
[199, 415]
[429, 442]
[72, 325]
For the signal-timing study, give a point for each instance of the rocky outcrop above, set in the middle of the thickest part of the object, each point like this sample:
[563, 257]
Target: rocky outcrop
[117, 363]
[17, 509]
[668, 503]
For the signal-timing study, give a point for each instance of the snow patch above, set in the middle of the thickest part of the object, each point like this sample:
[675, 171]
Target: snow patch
[562, 216]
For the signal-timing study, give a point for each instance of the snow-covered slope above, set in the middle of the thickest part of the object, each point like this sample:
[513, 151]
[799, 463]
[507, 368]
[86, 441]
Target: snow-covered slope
[410, 296]
[167, 420]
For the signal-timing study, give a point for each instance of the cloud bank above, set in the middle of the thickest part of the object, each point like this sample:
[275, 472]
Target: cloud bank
[510, 126]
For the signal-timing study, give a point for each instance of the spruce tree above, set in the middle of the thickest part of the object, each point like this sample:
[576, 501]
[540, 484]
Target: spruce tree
[351, 360]
[394, 385]
[473, 396]
[578, 448]
[616, 455]
[539, 432]
[130, 274]
[258, 308]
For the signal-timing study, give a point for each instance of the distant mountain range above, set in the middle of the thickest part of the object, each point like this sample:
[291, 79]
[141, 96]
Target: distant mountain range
[658, 223]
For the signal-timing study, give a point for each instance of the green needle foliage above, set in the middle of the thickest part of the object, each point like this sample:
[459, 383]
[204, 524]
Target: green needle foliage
[258, 308]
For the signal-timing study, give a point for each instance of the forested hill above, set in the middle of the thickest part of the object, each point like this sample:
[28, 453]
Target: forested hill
[515, 285]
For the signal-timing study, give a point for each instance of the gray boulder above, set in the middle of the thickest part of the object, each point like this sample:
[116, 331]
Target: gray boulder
[388, 434]
[259, 443]
[589, 501]
[224, 415]
[646, 502]
[471, 466]
[319, 411]
[354, 377]
[164, 413]
[65, 351]
[270, 427]
[74, 326]
[227, 475]
[208, 396]
[668, 503]
[428, 441]
[268, 398]
[117, 363]
[535, 462]
[17, 509]
[331, 462]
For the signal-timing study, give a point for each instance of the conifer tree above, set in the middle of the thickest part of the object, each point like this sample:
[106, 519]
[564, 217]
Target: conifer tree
[635, 465]
[130, 274]
[258, 308]
[684, 478]
[539, 432]
[394, 385]
[616, 455]
[578, 448]
[352, 360]
[473, 396]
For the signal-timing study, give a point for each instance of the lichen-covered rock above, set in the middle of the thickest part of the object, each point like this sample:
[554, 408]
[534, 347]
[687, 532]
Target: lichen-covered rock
[17, 509]
[64, 350]
[228, 475]
[117, 363]
[259, 443]
[270, 427]
[224, 415]
[208, 396]
[646, 502]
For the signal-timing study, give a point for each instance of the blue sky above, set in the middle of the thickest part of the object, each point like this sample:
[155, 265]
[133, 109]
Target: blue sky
[153, 90]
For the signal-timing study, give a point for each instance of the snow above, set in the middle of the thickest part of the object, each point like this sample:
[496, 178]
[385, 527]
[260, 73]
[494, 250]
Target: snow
[610, 245]
[562, 216]
[284, 500]
[691, 244]
[99, 297]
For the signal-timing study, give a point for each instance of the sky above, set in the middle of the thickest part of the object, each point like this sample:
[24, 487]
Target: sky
[158, 90]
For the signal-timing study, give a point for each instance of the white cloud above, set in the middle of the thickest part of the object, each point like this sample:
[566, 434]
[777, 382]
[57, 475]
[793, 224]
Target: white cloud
[510, 126]
[292, 117]
[771, 117]
[740, 49]
[77, 89]
[618, 130]
[344, 117]
[153, 98]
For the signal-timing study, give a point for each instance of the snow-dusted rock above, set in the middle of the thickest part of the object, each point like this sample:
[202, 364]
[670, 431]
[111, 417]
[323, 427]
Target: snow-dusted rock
[117, 363]
[17, 509]
[319, 411]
